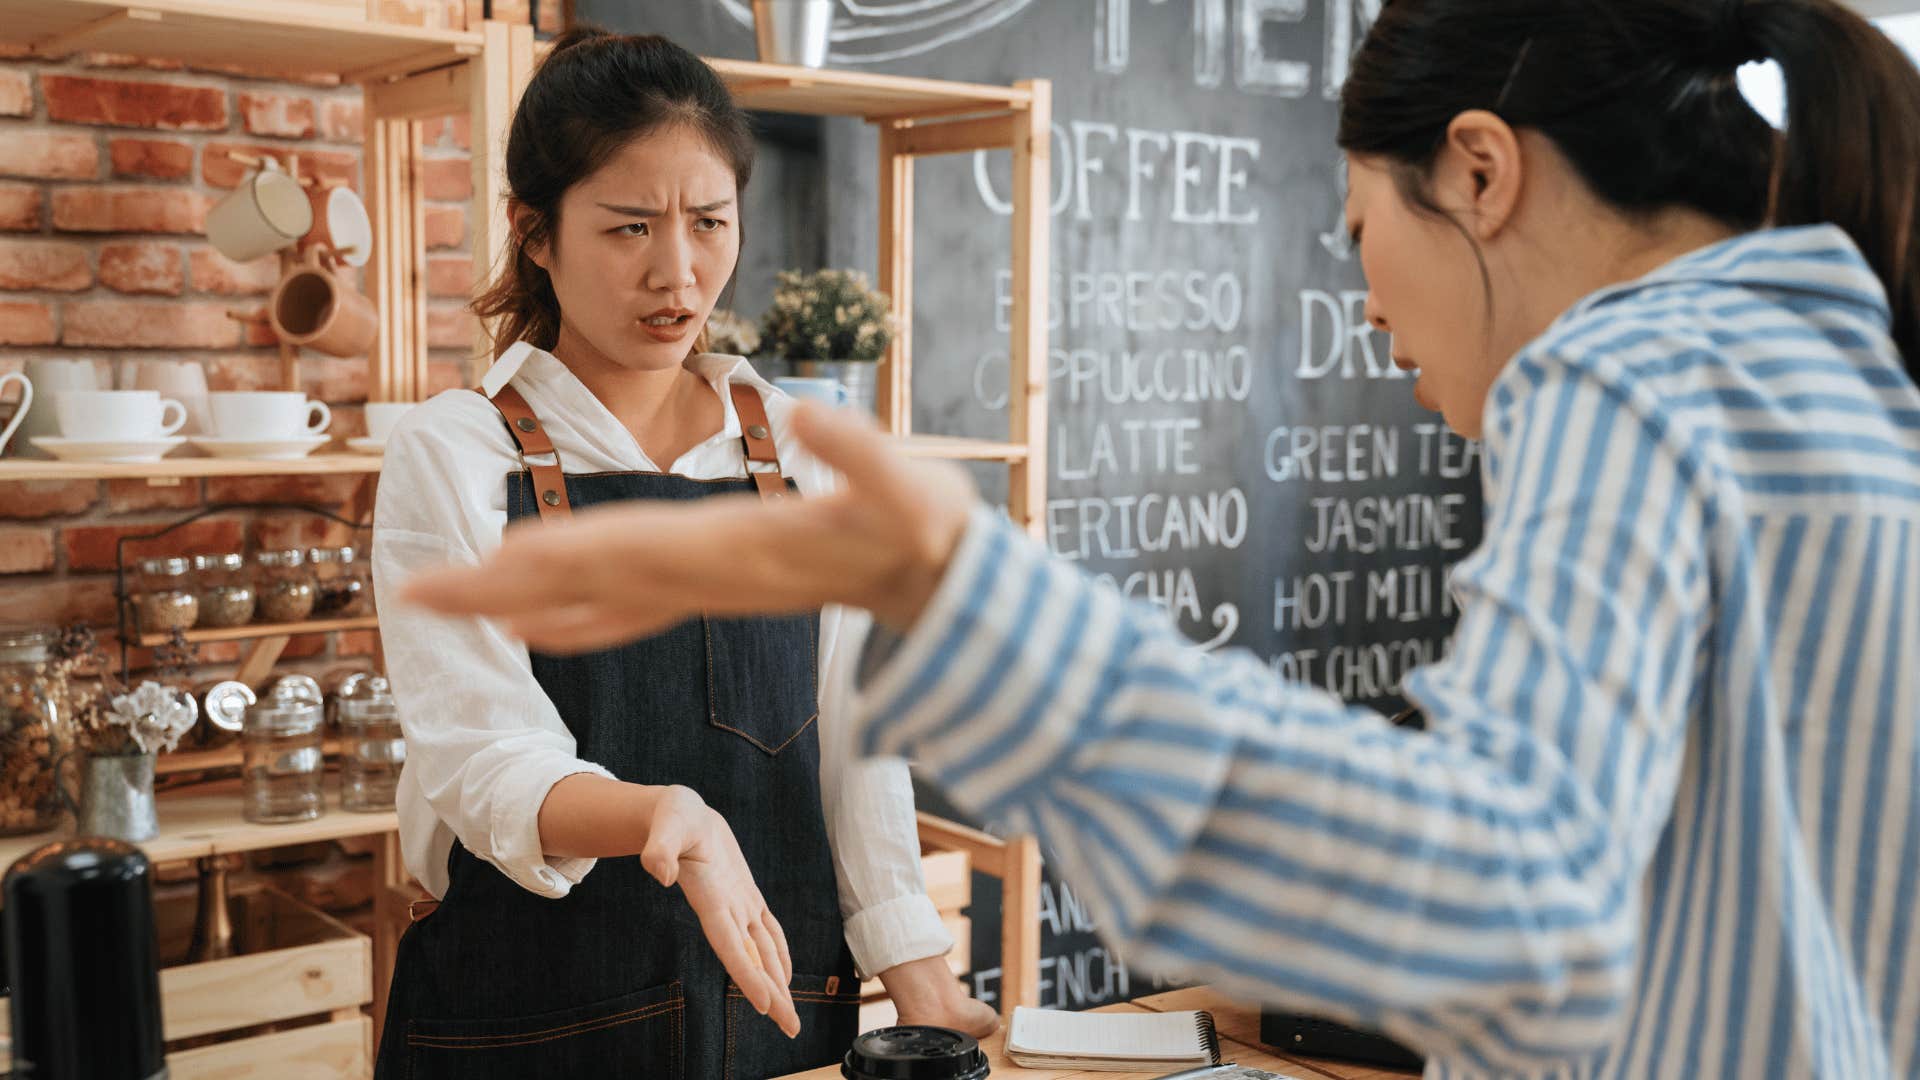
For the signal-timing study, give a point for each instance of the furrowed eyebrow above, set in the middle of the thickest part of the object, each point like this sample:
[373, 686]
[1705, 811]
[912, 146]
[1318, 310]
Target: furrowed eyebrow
[647, 212]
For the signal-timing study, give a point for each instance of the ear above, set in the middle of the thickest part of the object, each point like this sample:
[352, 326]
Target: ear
[1480, 172]
[523, 218]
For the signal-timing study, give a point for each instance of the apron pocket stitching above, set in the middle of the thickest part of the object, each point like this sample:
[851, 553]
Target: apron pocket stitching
[713, 697]
[489, 1042]
[775, 750]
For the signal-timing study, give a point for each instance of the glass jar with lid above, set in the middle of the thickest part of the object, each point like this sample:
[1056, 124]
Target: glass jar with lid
[166, 598]
[282, 760]
[343, 582]
[283, 586]
[373, 750]
[226, 594]
[29, 725]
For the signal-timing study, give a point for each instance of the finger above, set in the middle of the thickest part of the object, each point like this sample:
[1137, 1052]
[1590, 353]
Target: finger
[590, 626]
[779, 936]
[850, 443]
[506, 584]
[730, 945]
[769, 953]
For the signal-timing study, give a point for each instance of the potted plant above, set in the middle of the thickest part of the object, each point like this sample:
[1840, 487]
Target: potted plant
[830, 324]
[731, 335]
[120, 737]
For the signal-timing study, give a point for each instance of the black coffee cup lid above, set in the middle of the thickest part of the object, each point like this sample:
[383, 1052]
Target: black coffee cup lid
[915, 1053]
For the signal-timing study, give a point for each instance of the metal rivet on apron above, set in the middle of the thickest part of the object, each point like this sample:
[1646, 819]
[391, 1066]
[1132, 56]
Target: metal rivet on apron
[551, 498]
[757, 431]
[526, 423]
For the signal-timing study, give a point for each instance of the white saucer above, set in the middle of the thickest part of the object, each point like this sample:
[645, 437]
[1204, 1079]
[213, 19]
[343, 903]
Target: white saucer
[366, 444]
[263, 449]
[109, 451]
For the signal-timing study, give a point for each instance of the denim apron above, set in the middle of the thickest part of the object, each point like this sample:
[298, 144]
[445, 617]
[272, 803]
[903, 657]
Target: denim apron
[616, 978]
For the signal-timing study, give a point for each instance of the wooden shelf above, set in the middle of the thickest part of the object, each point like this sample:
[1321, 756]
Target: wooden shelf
[168, 469]
[947, 448]
[250, 34]
[225, 757]
[832, 92]
[205, 820]
[261, 630]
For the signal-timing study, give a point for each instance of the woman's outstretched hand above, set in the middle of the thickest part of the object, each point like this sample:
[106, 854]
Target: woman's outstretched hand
[619, 573]
[690, 845]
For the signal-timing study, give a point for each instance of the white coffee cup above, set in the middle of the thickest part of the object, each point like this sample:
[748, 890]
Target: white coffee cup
[383, 415]
[19, 414]
[116, 415]
[268, 415]
[49, 377]
[184, 381]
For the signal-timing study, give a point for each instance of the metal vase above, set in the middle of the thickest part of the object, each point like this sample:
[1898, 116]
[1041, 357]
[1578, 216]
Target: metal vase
[793, 31]
[116, 797]
[860, 377]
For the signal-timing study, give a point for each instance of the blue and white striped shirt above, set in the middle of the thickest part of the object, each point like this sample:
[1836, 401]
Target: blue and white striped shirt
[1665, 820]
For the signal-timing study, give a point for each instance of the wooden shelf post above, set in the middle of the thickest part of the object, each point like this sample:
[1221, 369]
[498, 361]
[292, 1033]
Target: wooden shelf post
[1028, 357]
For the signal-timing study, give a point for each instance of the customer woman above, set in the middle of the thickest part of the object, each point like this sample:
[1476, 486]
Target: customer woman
[696, 750]
[1665, 820]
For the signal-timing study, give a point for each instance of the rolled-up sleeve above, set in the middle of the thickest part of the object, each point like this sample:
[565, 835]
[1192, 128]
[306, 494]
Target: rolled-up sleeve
[871, 826]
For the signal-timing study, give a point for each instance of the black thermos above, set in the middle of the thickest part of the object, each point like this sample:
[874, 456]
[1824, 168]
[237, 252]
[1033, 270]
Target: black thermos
[83, 963]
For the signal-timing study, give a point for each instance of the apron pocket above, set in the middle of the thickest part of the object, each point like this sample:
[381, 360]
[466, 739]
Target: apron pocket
[642, 1030]
[829, 1011]
[762, 678]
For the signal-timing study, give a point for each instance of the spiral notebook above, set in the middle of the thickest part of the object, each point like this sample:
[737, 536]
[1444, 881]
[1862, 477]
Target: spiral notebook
[1112, 1042]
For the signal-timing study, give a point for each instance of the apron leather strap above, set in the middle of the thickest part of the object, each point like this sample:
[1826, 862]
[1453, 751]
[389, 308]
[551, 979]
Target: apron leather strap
[757, 434]
[549, 483]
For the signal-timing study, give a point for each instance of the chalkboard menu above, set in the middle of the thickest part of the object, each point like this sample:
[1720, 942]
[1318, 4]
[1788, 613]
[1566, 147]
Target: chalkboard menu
[1229, 438]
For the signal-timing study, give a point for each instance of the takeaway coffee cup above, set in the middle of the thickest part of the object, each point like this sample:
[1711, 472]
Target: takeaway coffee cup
[914, 1053]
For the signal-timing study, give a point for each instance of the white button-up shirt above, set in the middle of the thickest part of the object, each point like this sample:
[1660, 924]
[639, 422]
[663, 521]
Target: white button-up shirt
[484, 742]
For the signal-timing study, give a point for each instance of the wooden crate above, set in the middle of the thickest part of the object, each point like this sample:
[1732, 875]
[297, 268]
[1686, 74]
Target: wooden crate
[291, 962]
[326, 1051]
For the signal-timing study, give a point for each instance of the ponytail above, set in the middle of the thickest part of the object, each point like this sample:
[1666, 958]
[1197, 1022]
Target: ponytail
[1851, 156]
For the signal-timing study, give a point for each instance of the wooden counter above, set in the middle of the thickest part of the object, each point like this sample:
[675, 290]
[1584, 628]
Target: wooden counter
[1239, 1027]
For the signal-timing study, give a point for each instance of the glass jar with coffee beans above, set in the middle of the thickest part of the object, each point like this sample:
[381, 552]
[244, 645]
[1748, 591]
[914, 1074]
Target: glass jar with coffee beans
[226, 594]
[343, 581]
[167, 600]
[29, 723]
[283, 585]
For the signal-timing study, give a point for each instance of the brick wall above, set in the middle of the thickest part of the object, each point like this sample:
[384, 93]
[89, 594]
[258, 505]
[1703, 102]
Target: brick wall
[108, 166]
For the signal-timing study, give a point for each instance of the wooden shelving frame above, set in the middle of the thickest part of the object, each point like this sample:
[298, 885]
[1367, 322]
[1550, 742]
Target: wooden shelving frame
[410, 75]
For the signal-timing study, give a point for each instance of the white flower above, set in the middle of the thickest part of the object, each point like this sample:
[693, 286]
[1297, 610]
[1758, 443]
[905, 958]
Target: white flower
[154, 715]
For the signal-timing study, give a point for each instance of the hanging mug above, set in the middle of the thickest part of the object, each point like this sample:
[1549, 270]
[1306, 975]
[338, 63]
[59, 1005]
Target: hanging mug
[315, 307]
[267, 212]
[19, 414]
[341, 224]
